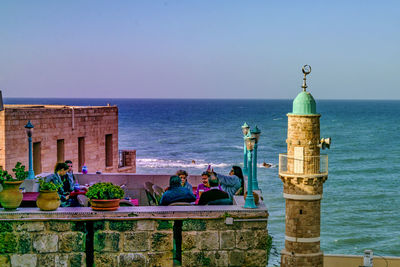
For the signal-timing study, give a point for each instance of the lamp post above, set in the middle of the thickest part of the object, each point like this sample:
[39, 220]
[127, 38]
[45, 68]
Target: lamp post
[245, 131]
[255, 134]
[29, 132]
[249, 203]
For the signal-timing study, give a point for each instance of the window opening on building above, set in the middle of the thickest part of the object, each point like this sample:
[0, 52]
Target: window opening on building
[109, 150]
[81, 152]
[60, 150]
[37, 158]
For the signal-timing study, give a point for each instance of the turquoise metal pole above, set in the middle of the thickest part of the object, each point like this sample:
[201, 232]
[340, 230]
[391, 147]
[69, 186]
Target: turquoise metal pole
[249, 203]
[31, 174]
[255, 181]
[244, 156]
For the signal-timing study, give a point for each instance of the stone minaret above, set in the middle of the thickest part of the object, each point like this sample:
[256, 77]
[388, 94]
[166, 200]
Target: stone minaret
[303, 171]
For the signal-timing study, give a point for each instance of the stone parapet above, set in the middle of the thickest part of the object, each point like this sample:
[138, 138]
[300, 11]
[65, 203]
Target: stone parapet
[134, 236]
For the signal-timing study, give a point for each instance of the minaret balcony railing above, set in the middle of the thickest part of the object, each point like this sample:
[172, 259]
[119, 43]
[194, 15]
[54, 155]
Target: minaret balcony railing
[305, 166]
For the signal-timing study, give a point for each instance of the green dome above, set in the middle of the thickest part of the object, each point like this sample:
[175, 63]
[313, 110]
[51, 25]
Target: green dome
[304, 104]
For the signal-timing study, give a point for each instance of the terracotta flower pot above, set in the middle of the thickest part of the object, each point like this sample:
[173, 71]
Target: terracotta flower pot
[256, 197]
[105, 204]
[48, 200]
[11, 197]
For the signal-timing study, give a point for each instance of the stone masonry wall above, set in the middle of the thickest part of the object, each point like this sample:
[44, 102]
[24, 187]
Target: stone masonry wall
[214, 243]
[56, 122]
[133, 243]
[141, 242]
[51, 243]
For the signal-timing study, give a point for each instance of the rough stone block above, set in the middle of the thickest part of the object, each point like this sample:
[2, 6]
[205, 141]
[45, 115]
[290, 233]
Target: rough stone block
[136, 241]
[79, 227]
[194, 225]
[70, 242]
[220, 224]
[5, 261]
[29, 226]
[122, 226]
[8, 243]
[146, 225]
[6, 227]
[105, 259]
[59, 226]
[195, 258]
[24, 260]
[61, 260]
[256, 258]
[24, 243]
[77, 259]
[106, 241]
[227, 240]
[208, 240]
[43, 243]
[132, 260]
[48, 260]
[99, 225]
[165, 225]
[218, 258]
[160, 259]
[254, 225]
[161, 241]
[188, 240]
[245, 239]
[236, 258]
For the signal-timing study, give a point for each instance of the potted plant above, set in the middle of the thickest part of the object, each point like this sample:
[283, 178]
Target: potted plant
[48, 198]
[105, 196]
[11, 197]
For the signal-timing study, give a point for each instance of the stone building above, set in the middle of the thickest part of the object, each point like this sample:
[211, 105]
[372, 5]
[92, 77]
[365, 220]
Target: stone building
[86, 135]
[303, 170]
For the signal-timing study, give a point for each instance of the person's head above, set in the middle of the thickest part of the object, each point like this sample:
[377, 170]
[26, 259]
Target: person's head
[213, 181]
[174, 181]
[69, 163]
[183, 175]
[204, 178]
[236, 170]
[61, 168]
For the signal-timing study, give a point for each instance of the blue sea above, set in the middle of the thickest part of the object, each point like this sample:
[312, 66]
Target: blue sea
[361, 201]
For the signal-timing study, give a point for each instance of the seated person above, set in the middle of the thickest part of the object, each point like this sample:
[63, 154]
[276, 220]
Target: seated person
[184, 175]
[214, 193]
[204, 186]
[70, 176]
[176, 193]
[232, 184]
[59, 171]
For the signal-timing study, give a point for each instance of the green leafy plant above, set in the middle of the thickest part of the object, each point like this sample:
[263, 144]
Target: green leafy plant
[43, 185]
[19, 172]
[105, 191]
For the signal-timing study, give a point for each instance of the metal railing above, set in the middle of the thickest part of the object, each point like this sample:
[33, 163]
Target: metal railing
[314, 165]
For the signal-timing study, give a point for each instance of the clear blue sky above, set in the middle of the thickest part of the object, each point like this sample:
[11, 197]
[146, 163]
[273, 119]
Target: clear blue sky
[199, 49]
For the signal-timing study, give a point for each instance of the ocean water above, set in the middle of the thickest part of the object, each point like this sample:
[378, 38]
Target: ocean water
[361, 203]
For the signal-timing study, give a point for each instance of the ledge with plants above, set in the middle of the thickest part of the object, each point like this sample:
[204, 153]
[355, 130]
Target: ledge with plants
[105, 196]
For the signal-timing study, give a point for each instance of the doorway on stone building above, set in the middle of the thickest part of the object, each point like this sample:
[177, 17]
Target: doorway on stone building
[81, 152]
[37, 158]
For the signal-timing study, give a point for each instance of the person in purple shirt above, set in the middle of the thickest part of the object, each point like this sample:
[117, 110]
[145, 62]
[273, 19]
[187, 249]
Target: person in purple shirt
[204, 186]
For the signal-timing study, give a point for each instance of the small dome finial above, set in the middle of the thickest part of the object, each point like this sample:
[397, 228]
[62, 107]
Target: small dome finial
[306, 70]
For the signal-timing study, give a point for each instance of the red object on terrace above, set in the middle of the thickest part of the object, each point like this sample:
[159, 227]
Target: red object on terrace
[29, 199]
[76, 193]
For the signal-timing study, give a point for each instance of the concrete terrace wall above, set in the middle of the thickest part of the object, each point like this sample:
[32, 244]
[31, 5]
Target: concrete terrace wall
[134, 236]
[59, 122]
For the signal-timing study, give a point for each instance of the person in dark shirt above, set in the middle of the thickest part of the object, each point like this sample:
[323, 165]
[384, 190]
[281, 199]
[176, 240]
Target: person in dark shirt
[214, 193]
[176, 193]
